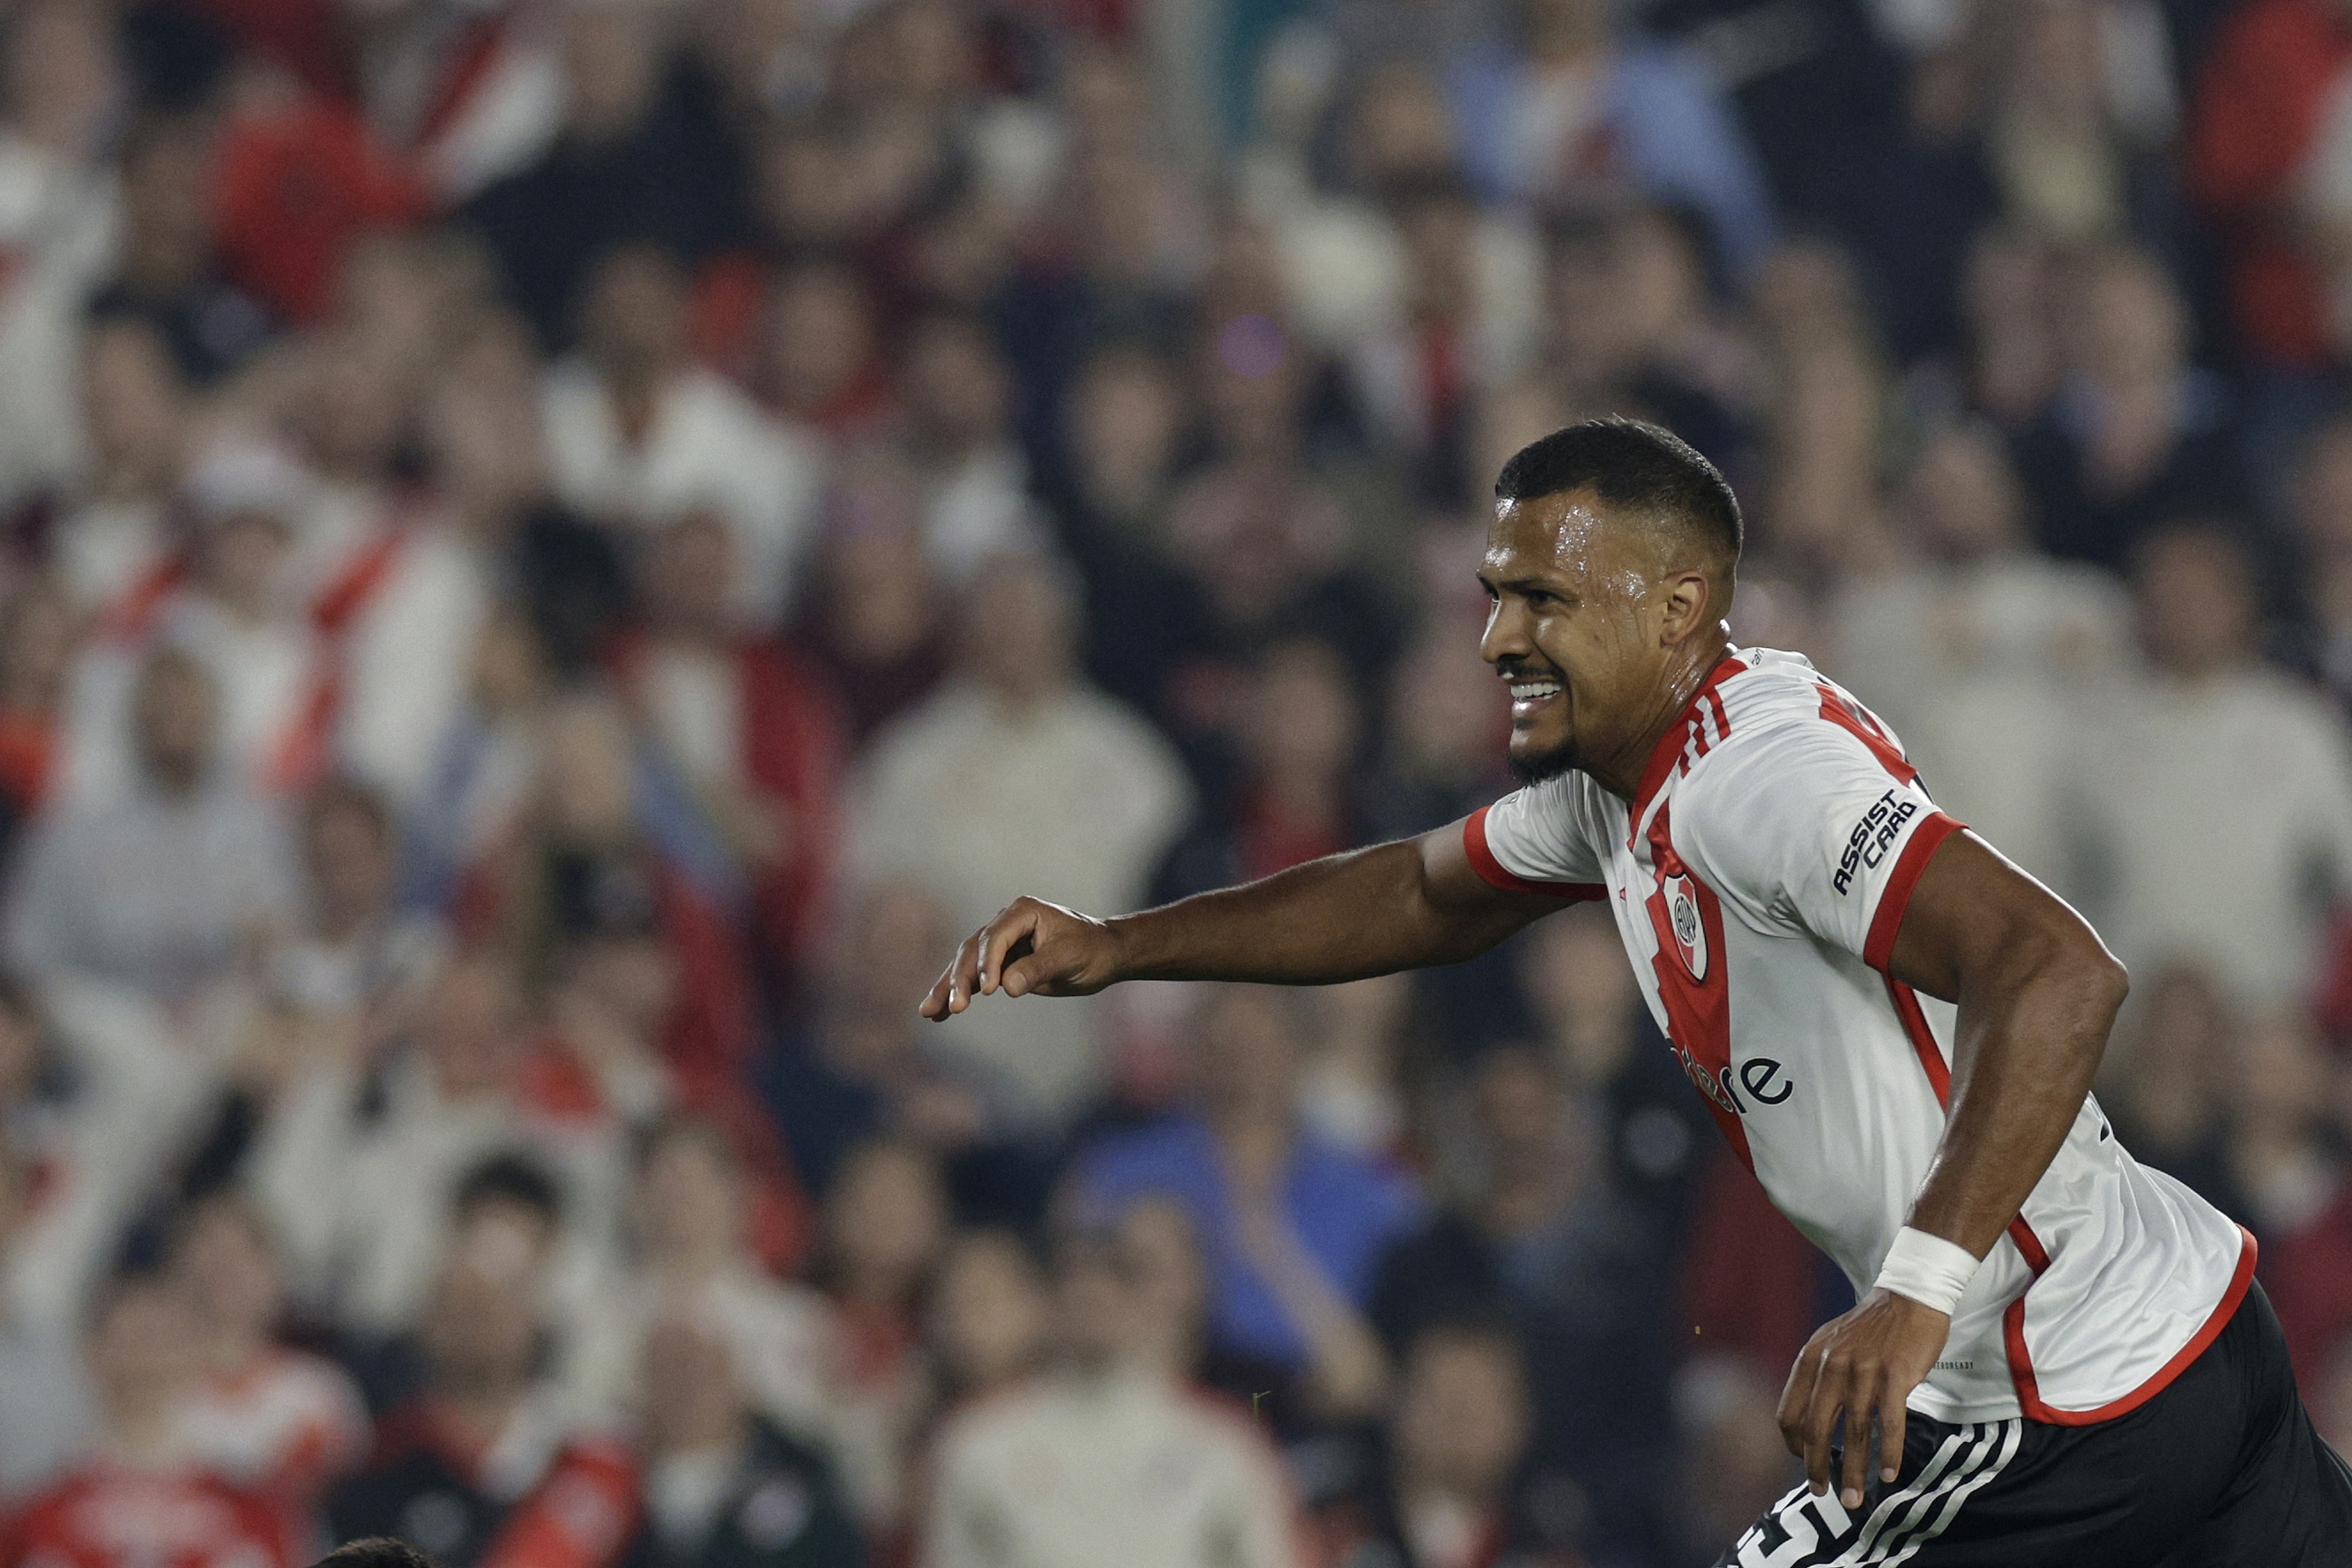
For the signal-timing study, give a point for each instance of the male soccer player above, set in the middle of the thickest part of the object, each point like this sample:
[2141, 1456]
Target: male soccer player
[2061, 1353]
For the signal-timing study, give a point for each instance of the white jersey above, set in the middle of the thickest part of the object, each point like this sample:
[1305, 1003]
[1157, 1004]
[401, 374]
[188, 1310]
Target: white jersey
[1758, 878]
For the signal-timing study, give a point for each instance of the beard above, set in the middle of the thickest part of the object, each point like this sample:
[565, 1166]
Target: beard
[1536, 766]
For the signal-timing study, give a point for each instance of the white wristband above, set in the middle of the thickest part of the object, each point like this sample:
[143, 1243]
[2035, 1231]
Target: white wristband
[1929, 1270]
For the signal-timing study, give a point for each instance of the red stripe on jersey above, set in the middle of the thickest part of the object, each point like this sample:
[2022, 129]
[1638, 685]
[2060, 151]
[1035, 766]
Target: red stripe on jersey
[1692, 986]
[1886, 921]
[1863, 724]
[1493, 873]
[2021, 1364]
[1923, 1039]
[1676, 735]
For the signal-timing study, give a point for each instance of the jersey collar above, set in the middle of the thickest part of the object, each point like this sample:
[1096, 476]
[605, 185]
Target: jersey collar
[1676, 737]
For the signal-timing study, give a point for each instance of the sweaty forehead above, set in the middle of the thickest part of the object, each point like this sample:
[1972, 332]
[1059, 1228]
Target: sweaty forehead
[1576, 536]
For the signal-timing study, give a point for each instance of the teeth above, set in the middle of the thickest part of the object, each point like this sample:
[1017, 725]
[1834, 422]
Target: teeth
[1533, 691]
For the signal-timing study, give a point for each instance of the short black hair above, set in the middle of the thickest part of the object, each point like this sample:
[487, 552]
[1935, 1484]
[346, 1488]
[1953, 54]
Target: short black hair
[1633, 465]
[375, 1552]
[508, 1179]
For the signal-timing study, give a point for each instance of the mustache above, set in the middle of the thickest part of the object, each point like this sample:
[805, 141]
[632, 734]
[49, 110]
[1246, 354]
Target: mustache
[1524, 670]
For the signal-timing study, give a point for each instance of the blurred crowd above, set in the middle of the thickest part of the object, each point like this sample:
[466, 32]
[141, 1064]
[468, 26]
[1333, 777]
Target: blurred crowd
[555, 555]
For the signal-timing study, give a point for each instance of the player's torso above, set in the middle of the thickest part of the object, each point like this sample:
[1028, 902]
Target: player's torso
[1829, 1077]
[1800, 1050]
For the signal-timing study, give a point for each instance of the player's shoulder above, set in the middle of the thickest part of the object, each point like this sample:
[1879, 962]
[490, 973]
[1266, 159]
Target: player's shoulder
[1776, 718]
[1771, 701]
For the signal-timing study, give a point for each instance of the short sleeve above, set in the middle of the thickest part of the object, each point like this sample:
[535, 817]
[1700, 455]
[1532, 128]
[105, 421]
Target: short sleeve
[1812, 829]
[1529, 841]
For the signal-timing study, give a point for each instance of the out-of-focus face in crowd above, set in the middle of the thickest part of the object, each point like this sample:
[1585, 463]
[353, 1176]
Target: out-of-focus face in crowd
[1246, 1053]
[482, 1327]
[691, 1200]
[2195, 597]
[886, 1219]
[1462, 1417]
[989, 1314]
[471, 1027]
[174, 720]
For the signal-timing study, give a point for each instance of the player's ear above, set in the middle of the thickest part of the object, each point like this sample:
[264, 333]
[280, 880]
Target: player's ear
[1688, 606]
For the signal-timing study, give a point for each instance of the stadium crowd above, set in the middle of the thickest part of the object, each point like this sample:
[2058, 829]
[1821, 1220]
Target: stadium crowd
[558, 553]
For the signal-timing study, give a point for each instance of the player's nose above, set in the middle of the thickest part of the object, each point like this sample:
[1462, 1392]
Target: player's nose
[1506, 636]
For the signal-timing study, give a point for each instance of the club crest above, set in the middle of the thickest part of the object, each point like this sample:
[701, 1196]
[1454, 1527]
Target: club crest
[1683, 919]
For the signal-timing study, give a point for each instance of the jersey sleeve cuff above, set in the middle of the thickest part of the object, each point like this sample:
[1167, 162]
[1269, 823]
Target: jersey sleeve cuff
[1886, 923]
[1495, 874]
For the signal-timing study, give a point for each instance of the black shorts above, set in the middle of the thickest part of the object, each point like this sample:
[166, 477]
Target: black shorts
[2222, 1469]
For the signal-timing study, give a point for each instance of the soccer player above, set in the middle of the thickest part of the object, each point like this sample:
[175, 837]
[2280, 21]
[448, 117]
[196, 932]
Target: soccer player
[2060, 1355]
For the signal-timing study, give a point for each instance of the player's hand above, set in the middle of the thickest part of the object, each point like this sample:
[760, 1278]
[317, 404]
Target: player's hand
[1032, 946]
[1865, 1365]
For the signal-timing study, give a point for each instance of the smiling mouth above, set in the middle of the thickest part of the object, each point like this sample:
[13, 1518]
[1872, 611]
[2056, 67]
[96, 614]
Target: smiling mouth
[1529, 693]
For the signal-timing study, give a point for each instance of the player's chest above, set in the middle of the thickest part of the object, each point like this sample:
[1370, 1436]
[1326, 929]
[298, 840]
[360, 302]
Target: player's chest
[1680, 945]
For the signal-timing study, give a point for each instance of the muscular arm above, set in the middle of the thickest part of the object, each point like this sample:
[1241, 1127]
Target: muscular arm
[2037, 993]
[1398, 905]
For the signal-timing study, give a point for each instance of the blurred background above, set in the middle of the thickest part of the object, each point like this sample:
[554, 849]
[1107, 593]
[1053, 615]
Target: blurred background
[559, 553]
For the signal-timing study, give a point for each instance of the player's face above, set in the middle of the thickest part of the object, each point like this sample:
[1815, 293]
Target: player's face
[1573, 627]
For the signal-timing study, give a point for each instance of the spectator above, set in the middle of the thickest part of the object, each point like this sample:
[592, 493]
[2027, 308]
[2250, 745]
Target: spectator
[1571, 110]
[877, 623]
[693, 1212]
[748, 731]
[112, 542]
[161, 890]
[1293, 1228]
[821, 364]
[989, 1317]
[633, 162]
[722, 1486]
[356, 956]
[482, 1462]
[2136, 437]
[1097, 1430]
[959, 439]
[167, 271]
[1604, 1050]
[2169, 1082]
[1461, 1424]
[2204, 723]
[281, 1423]
[1734, 1464]
[137, 1498]
[886, 1224]
[63, 87]
[1541, 1242]
[869, 1069]
[1299, 735]
[2014, 643]
[2264, 159]
[487, 452]
[950, 796]
[637, 435]
[363, 1203]
[601, 856]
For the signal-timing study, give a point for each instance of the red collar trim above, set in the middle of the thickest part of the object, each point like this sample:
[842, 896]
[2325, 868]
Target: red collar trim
[1671, 742]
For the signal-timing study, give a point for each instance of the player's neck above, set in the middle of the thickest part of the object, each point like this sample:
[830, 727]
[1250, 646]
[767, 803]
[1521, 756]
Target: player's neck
[1621, 773]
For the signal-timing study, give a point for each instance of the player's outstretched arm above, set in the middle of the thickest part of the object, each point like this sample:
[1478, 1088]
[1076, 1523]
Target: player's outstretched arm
[1399, 906]
[2037, 993]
